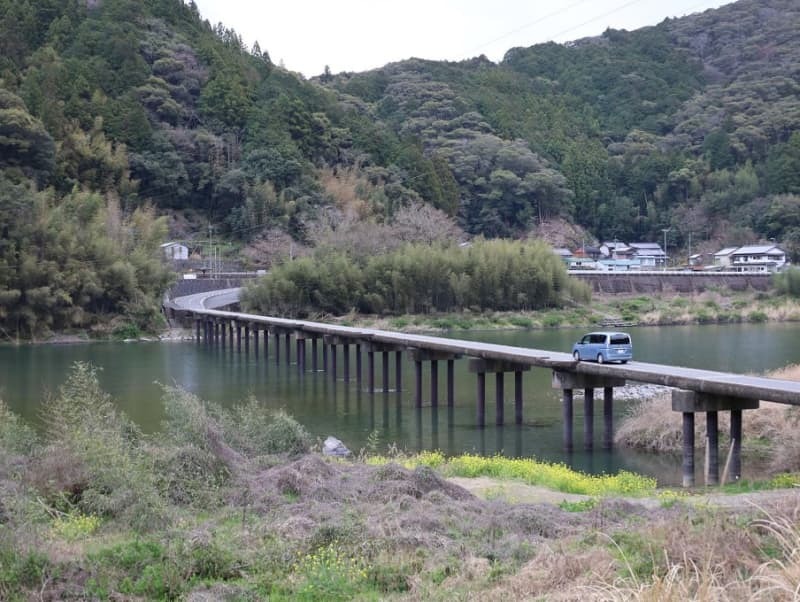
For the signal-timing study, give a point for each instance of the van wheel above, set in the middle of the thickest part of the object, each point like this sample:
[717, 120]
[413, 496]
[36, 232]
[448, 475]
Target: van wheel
[623, 361]
[576, 356]
[600, 358]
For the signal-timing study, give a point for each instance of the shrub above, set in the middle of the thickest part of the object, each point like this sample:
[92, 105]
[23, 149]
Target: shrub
[757, 316]
[114, 476]
[16, 437]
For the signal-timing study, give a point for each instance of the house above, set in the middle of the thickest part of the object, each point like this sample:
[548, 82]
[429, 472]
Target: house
[616, 250]
[618, 265]
[175, 250]
[588, 252]
[649, 254]
[758, 258]
[722, 258]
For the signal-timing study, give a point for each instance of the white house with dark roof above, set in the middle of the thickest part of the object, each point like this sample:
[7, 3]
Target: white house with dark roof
[649, 254]
[758, 258]
[615, 250]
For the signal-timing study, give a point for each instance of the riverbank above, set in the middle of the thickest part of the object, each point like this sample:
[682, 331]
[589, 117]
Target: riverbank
[240, 505]
[708, 307]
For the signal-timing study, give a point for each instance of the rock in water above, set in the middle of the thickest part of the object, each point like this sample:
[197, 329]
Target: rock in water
[334, 447]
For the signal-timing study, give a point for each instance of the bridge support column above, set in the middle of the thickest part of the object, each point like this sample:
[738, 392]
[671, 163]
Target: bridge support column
[499, 368]
[608, 417]
[518, 397]
[434, 357]
[255, 340]
[499, 398]
[588, 419]
[481, 395]
[277, 335]
[324, 355]
[223, 331]
[691, 402]
[568, 381]
[247, 339]
[358, 365]
[314, 353]
[346, 361]
[266, 344]
[229, 326]
[300, 344]
[197, 330]
[398, 371]
[370, 370]
[566, 406]
[417, 383]
[288, 340]
[385, 364]
[451, 386]
[238, 337]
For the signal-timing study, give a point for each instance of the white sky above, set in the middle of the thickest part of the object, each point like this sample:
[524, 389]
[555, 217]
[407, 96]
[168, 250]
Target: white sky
[357, 35]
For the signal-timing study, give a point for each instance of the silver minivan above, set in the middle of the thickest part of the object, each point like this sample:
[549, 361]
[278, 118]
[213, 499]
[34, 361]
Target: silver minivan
[604, 347]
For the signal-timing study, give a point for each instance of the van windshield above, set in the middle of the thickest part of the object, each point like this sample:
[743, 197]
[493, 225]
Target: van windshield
[620, 339]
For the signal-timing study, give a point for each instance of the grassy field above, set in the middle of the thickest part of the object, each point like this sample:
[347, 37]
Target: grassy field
[237, 505]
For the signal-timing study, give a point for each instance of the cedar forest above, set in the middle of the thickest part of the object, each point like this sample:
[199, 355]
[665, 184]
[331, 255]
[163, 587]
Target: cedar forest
[123, 122]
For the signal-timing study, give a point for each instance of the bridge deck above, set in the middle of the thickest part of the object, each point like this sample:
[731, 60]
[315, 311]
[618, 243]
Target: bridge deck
[703, 381]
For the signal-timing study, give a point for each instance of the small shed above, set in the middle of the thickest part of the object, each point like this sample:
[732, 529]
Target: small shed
[175, 250]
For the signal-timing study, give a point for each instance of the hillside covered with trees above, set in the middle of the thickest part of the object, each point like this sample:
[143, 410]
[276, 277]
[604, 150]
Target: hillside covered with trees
[122, 121]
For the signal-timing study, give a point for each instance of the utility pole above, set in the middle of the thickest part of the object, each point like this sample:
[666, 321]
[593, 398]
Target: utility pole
[665, 230]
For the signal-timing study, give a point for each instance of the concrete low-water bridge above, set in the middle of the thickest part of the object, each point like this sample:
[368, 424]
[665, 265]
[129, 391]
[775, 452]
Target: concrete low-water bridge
[693, 391]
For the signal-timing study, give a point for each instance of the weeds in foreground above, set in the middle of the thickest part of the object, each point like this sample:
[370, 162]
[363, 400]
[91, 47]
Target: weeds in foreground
[346, 530]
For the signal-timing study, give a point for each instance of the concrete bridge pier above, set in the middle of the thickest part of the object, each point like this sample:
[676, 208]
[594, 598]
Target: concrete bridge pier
[238, 327]
[567, 382]
[499, 368]
[247, 338]
[434, 357]
[331, 341]
[384, 350]
[346, 361]
[691, 402]
[287, 337]
[255, 340]
[277, 336]
[314, 353]
[196, 330]
[300, 344]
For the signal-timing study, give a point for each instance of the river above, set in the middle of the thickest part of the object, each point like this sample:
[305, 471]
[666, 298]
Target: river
[133, 373]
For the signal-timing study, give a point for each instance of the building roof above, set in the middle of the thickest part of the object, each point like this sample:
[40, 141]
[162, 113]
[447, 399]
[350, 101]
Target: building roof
[171, 244]
[725, 251]
[648, 248]
[756, 250]
[562, 251]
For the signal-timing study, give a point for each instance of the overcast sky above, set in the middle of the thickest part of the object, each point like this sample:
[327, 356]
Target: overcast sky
[357, 35]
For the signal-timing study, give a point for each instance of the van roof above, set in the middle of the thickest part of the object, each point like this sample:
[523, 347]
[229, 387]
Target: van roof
[611, 332]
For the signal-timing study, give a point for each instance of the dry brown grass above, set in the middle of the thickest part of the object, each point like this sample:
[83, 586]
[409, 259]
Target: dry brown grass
[769, 431]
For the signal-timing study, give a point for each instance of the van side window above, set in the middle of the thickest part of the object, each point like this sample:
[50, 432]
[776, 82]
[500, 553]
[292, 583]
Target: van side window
[620, 339]
[598, 339]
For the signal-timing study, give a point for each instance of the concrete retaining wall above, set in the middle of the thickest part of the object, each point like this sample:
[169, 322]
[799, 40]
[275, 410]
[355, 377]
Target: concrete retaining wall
[671, 282]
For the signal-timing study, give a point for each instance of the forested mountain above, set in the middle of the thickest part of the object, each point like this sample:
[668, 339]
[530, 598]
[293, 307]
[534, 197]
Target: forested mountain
[116, 113]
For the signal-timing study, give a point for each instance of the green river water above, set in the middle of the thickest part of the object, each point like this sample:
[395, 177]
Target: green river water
[131, 373]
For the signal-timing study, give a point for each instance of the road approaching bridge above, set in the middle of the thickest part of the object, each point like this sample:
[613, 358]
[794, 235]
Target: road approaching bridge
[693, 390]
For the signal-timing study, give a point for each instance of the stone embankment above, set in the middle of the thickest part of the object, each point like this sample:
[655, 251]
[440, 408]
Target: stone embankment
[671, 281]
